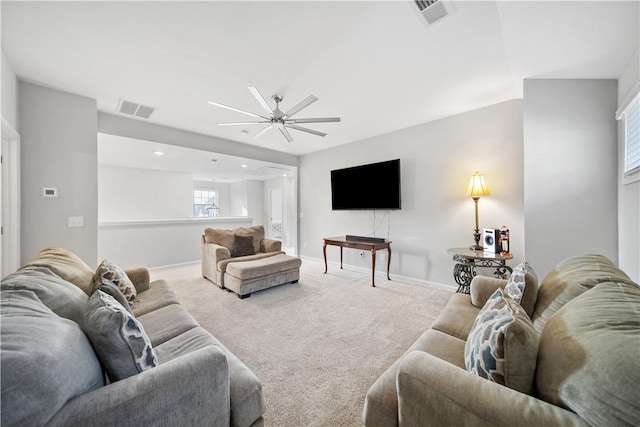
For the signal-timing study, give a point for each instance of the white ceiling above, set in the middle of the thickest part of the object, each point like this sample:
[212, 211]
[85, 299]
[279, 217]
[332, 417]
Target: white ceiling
[376, 64]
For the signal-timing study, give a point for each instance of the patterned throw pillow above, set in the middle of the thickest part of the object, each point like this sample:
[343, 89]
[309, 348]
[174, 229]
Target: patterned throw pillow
[113, 273]
[522, 286]
[503, 344]
[123, 347]
[108, 287]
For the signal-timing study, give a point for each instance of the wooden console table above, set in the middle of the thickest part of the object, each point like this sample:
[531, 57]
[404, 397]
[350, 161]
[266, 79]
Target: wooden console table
[364, 245]
[467, 260]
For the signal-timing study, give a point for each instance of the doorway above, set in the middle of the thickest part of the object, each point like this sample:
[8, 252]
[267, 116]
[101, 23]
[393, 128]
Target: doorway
[275, 213]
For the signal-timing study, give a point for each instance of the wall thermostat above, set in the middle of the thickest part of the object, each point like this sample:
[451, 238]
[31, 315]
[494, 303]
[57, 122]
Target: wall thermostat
[50, 192]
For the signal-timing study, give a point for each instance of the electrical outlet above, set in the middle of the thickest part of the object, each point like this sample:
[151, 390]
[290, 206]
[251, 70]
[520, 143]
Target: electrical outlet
[75, 221]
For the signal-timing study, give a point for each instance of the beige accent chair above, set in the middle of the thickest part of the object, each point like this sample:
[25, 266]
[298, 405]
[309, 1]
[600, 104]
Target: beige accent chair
[243, 261]
[586, 315]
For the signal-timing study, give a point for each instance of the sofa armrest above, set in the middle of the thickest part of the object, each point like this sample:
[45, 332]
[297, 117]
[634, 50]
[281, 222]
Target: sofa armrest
[190, 390]
[482, 287]
[270, 245]
[434, 392]
[139, 277]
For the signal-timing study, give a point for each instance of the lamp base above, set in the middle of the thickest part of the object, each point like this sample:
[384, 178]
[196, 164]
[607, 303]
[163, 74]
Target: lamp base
[476, 237]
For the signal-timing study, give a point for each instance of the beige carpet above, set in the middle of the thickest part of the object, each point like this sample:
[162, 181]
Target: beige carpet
[318, 345]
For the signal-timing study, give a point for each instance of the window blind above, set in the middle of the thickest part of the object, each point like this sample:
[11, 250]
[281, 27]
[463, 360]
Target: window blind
[632, 135]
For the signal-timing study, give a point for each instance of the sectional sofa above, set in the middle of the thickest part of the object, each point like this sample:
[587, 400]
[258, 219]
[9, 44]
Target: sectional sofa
[57, 369]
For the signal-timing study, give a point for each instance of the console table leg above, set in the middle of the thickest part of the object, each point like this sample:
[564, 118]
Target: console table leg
[388, 261]
[340, 257]
[324, 252]
[373, 268]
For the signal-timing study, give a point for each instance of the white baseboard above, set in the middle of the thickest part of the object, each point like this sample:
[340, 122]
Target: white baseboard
[181, 264]
[398, 277]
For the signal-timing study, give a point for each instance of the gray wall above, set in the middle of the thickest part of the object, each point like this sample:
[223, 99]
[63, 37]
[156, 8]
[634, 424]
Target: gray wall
[437, 160]
[59, 149]
[628, 192]
[570, 170]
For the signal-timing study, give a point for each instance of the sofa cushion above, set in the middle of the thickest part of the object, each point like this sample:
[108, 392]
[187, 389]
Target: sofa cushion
[166, 323]
[110, 271]
[522, 287]
[457, 317]
[118, 338]
[66, 265]
[220, 237]
[157, 296]
[242, 246]
[503, 344]
[256, 233]
[108, 287]
[46, 360]
[63, 298]
[589, 357]
[570, 278]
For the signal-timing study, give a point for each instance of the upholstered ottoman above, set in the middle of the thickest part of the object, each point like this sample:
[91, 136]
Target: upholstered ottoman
[246, 277]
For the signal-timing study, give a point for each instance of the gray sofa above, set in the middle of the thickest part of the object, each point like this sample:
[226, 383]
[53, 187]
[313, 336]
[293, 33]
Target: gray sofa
[51, 374]
[243, 261]
[584, 364]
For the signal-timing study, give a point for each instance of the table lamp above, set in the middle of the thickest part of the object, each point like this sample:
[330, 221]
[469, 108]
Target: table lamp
[476, 189]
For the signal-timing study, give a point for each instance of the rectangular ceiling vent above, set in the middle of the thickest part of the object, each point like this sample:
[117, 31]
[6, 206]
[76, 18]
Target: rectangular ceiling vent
[134, 109]
[434, 10]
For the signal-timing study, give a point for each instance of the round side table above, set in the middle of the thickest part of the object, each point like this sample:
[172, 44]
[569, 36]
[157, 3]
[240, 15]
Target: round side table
[467, 260]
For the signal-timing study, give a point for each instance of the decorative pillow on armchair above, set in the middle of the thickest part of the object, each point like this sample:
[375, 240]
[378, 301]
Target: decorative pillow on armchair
[503, 344]
[522, 286]
[113, 273]
[118, 338]
[242, 246]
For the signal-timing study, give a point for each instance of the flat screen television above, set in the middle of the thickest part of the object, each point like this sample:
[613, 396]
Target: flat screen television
[371, 186]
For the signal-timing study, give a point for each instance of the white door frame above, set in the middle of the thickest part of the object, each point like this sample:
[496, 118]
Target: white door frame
[10, 200]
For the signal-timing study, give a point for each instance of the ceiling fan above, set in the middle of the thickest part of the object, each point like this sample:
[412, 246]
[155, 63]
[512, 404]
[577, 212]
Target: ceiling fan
[275, 118]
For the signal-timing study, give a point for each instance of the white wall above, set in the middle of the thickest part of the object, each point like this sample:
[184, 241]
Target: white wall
[128, 194]
[238, 198]
[9, 90]
[255, 201]
[628, 193]
[158, 243]
[437, 160]
[570, 170]
[289, 218]
[59, 149]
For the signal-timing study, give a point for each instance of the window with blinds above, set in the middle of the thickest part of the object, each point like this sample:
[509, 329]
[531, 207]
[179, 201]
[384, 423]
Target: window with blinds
[631, 117]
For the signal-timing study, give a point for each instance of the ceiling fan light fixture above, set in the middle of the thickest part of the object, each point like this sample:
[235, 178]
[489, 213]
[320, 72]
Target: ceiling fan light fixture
[277, 118]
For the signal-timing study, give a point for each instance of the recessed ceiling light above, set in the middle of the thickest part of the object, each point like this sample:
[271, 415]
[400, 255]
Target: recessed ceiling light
[284, 174]
[158, 153]
[244, 166]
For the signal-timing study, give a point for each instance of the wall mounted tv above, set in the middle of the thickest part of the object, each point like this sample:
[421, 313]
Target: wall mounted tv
[371, 186]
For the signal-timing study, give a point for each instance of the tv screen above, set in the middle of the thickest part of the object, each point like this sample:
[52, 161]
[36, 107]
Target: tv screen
[372, 186]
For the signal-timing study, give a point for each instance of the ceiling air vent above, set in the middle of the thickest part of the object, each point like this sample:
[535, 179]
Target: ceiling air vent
[134, 109]
[434, 10]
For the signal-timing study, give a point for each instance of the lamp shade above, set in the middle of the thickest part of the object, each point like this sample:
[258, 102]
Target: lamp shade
[477, 187]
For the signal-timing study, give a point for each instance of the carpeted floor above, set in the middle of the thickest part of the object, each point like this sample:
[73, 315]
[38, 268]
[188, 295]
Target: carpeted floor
[318, 345]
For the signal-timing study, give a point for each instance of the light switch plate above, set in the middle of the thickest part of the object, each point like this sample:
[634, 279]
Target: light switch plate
[75, 221]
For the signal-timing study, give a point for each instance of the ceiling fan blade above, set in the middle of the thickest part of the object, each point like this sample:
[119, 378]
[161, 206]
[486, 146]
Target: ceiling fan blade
[244, 123]
[263, 103]
[302, 104]
[300, 128]
[262, 132]
[286, 134]
[217, 104]
[316, 120]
